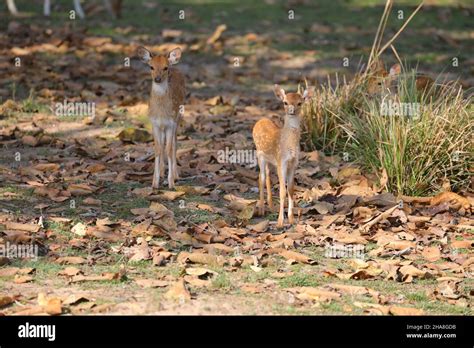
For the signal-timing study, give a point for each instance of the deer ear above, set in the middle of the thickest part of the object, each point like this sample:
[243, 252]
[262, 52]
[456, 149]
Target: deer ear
[378, 66]
[395, 70]
[305, 95]
[144, 54]
[174, 56]
[279, 92]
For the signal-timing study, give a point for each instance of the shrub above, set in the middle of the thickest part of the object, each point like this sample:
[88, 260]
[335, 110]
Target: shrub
[419, 152]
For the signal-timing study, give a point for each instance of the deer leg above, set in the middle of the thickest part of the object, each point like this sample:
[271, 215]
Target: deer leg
[114, 7]
[269, 186]
[261, 180]
[12, 7]
[282, 178]
[78, 9]
[158, 135]
[109, 8]
[162, 148]
[169, 153]
[291, 191]
[175, 148]
[47, 8]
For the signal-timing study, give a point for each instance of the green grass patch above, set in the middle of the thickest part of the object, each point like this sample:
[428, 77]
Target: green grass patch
[300, 279]
[119, 200]
[222, 282]
[418, 151]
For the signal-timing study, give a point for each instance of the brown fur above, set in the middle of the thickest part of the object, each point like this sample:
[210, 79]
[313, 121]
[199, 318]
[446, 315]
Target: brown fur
[279, 147]
[424, 83]
[164, 106]
[381, 79]
[166, 98]
[453, 200]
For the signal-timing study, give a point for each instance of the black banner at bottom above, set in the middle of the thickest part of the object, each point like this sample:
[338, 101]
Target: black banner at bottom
[139, 331]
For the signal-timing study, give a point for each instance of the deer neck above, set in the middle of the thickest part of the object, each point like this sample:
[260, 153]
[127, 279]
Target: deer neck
[292, 123]
[161, 89]
[290, 133]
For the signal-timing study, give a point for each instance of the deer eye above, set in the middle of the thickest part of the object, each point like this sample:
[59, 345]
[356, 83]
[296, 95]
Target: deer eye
[152, 68]
[165, 68]
[299, 104]
[286, 103]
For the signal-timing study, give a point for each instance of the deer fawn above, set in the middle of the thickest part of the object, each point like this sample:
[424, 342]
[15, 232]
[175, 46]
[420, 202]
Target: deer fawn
[164, 108]
[279, 147]
[381, 80]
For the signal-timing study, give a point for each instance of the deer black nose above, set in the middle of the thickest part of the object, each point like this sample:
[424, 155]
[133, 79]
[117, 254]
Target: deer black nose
[158, 79]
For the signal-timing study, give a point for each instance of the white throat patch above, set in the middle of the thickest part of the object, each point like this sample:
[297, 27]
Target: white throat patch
[160, 88]
[292, 122]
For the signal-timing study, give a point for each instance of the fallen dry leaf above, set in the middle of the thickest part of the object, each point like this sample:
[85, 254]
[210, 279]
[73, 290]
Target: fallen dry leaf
[22, 227]
[6, 300]
[4, 261]
[151, 283]
[81, 189]
[104, 276]
[204, 259]
[359, 274]
[71, 260]
[75, 299]
[315, 294]
[262, 226]
[200, 272]
[9, 271]
[178, 292]
[170, 195]
[409, 272]
[218, 249]
[462, 244]
[431, 253]
[52, 306]
[70, 271]
[22, 279]
[373, 308]
[353, 289]
[135, 135]
[298, 257]
[47, 167]
[79, 229]
[92, 201]
[394, 310]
